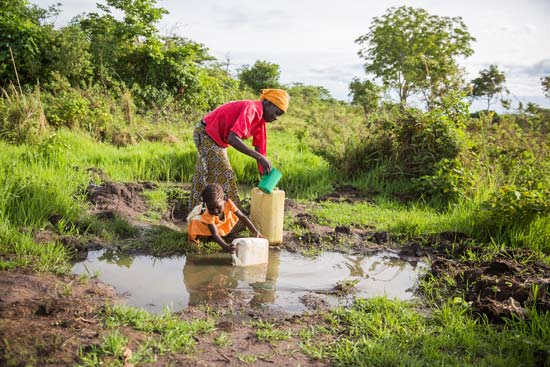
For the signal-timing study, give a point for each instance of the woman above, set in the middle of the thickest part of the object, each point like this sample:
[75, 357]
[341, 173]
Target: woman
[228, 125]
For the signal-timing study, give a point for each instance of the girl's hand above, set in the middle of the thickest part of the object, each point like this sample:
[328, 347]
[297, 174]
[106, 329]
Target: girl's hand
[230, 248]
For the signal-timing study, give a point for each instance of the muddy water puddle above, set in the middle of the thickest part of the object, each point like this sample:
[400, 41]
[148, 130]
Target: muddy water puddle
[287, 283]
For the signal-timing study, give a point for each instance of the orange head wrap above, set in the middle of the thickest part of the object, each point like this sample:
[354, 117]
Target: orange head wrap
[278, 97]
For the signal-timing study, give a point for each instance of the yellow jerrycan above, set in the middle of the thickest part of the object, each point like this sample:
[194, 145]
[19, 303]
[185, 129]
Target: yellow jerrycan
[267, 212]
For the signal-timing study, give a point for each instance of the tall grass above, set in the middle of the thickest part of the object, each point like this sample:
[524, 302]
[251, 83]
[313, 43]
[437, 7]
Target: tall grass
[21, 115]
[304, 173]
[36, 184]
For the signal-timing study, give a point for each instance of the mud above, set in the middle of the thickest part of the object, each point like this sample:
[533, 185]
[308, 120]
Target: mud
[498, 285]
[123, 199]
[45, 319]
[346, 194]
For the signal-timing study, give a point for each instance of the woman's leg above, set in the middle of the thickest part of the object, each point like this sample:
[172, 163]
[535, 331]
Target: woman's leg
[199, 177]
[212, 167]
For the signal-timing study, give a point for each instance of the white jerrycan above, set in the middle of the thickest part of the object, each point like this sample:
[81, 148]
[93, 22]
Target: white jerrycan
[250, 251]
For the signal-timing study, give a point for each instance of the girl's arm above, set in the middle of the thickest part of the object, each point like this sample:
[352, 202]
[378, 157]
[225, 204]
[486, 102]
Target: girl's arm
[248, 223]
[219, 240]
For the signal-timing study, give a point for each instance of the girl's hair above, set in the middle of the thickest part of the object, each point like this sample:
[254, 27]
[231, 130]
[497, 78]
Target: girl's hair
[212, 192]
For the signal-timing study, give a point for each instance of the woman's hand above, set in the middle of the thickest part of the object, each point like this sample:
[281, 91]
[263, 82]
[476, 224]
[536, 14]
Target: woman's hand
[265, 164]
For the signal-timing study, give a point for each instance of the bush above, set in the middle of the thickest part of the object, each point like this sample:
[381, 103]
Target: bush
[68, 108]
[22, 118]
[448, 183]
[513, 206]
[410, 146]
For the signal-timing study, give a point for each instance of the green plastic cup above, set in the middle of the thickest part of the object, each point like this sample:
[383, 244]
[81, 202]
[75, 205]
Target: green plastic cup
[269, 181]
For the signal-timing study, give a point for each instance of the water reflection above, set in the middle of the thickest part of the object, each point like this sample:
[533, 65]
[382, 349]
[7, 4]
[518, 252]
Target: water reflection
[154, 283]
[209, 277]
[112, 256]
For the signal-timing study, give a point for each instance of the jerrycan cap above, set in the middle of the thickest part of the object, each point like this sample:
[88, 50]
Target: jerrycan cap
[269, 181]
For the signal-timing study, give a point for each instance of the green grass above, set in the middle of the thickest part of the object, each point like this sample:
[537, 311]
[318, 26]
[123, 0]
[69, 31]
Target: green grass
[167, 334]
[267, 331]
[411, 220]
[223, 340]
[18, 250]
[380, 332]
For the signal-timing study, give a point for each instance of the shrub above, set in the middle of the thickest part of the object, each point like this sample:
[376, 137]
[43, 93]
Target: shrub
[448, 183]
[409, 145]
[22, 118]
[67, 108]
[513, 207]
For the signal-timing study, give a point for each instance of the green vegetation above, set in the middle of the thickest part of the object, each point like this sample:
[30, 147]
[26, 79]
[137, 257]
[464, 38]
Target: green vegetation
[267, 331]
[379, 332]
[167, 333]
[109, 99]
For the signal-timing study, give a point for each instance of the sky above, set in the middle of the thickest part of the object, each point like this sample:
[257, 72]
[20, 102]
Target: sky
[313, 42]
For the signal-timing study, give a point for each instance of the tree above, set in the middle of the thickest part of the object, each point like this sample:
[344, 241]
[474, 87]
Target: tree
[113, 40]
[489, 84]
[24, 30]
[309, 93]
[545, 82]
[131, 53]
[365, 94]
[262, 74]
[414, 52]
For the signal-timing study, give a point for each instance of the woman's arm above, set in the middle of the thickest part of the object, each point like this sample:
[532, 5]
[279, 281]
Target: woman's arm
[219, 240]
[238, 144]
[248, 223]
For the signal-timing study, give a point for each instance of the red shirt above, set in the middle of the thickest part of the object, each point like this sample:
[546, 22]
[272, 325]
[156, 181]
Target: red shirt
[244, 118]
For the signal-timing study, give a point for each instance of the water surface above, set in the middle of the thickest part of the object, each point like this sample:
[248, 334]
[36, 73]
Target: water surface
[153, 283]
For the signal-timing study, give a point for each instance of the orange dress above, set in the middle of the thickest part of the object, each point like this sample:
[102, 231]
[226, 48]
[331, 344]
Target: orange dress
[198, 226]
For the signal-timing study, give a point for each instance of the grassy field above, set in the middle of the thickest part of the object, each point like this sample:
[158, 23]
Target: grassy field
[48, 180]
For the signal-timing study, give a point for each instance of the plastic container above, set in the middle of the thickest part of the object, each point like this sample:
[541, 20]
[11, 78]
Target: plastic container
[267, 213]
[270, 181]
[250, 251]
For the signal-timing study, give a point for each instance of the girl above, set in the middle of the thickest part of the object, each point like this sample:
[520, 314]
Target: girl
[218, 220]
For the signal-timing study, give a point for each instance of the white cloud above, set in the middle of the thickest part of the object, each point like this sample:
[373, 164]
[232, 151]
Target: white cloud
[313, 41]
[530, 28]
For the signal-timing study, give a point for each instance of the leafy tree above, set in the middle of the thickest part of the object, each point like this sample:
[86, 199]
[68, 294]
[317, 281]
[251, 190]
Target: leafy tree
[365, 94]
[114, 41]
[545, 82]
[70, 55]
[489, 84]
[415, 52]
[39, 50]
[262, 74]
[130, 52]
[24, 30]
[309, 93]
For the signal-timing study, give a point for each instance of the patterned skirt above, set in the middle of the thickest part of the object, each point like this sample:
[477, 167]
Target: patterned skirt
[212, 167]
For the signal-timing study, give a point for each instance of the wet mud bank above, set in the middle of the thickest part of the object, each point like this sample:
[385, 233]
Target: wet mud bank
[46, 318]
[498, 285]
